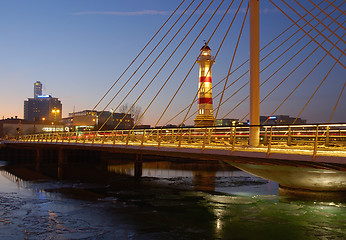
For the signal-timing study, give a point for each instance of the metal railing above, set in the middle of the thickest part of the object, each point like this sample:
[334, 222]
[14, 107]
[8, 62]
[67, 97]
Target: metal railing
[309, 138]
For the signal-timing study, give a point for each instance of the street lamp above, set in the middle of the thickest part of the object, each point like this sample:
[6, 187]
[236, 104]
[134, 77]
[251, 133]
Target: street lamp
[55, 111]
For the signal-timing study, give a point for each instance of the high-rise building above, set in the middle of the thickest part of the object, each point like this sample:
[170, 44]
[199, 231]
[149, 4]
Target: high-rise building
[42, 108]
[205, 115]
[37, 89]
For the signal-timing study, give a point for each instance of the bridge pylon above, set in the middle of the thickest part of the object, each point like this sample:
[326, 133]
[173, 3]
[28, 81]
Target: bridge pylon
[254, 73]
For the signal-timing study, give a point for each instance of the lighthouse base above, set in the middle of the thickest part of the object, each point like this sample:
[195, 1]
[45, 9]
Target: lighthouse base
[204, 121]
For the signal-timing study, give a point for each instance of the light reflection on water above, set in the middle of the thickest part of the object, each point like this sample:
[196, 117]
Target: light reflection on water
[171, 201]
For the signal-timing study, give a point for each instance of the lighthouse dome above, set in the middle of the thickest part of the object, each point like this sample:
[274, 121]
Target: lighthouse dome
[205, 48]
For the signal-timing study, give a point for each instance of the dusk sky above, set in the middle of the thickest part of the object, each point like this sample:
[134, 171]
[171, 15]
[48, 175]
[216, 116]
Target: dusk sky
[78, 48]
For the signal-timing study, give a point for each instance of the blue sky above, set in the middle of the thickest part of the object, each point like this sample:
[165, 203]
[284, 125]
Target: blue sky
[78, 48]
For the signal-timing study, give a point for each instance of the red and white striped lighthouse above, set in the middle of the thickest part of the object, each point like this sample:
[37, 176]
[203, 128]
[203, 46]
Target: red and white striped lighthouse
[205, 115]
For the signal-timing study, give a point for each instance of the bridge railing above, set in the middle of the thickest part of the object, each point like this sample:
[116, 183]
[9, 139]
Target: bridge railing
[311, 138]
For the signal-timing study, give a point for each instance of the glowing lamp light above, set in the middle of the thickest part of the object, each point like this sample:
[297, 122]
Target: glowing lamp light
[43, 96]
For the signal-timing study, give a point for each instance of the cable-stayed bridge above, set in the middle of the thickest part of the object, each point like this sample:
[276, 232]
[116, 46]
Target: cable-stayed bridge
[300, 70]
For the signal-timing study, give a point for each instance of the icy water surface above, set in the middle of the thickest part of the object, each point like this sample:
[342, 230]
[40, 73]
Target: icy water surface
[168, 202]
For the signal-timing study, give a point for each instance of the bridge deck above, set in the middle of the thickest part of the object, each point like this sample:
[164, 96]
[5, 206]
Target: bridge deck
[210, 152]
[313, 143]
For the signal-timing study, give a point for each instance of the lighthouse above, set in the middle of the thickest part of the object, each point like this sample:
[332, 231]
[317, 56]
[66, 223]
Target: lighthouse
[205, 115]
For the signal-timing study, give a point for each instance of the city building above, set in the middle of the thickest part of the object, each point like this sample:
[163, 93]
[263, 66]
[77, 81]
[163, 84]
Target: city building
[95, 120]
[37, 89]
[226, 122]
[14, 126]
[280, 120]
[42, 108]
[80, 121]
[205, 115]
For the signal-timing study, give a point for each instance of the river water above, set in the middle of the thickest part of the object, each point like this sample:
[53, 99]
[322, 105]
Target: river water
[170, 201]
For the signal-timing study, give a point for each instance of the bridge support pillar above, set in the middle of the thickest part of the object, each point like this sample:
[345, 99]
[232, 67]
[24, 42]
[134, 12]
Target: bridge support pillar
[61, 160]
[138, 166]
[38, 159]
[254, 74]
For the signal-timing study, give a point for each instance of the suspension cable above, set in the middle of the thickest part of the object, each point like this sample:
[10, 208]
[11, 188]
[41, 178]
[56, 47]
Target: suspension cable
[192, 114]
[333, 32]
[225, 88]
[293, 71]
[231, 24]
[328, 15]
[336, 104]
[241, 66]
[138, 55]
[171, 40]
[243, 74]
[208, 91]
[316, 29]
[316, 65]
[289, 73]
[332, 4]
[316, 89]
[230, 67]
[181, 84]
[296, 67]
[277, 70]
[165, 63]
[292, 46]
[179, 65]
[128, 80]
[309, 35]
[293, 24]
[248, 60]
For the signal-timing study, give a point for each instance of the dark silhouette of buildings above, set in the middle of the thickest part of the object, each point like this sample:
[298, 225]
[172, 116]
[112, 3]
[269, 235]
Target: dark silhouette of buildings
[280, 120]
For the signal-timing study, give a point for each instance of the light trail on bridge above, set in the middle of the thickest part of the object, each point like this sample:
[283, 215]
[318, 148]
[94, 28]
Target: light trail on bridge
[313, 141]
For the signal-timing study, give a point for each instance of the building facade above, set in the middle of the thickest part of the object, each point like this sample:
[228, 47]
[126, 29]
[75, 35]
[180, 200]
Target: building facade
[97, 120]
[42, 108]
[14, 127]
[37, 89]
[226, 122]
